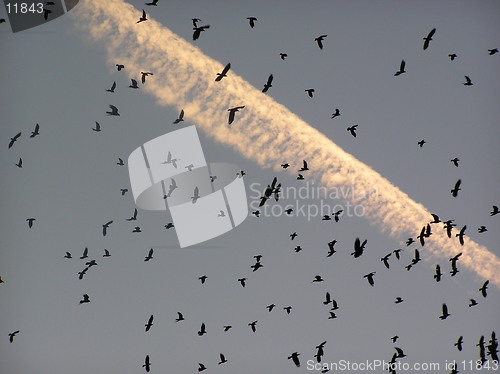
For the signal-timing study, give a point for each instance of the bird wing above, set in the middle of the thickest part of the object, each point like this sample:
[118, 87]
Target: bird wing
[445, 310]
[431, 33]
[181, 116]
[402, 66]
[231, 116]
[196, 33]
[226, 69]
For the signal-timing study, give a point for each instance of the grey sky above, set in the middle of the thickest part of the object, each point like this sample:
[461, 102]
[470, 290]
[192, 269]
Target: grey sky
[53, 76]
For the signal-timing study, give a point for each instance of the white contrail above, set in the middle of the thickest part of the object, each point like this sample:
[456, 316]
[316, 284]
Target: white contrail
[266, 131]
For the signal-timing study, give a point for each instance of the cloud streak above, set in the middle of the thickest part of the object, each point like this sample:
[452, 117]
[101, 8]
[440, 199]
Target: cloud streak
[265, 131]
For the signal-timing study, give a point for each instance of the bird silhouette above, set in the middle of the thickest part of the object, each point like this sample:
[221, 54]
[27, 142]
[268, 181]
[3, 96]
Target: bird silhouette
[319, 40]
[147, 364]
[86, 299]
[455, 189]
[14, 139]
[124, 191]
[85, 253]
[397, 252]
[203, 330]
[304, 166]
[452, 56]
[46, 13]
[455, 161]
[331, 249]
[398, 300]
[170, 160]
[134, 217]
[169, 225]
[252, 20]
[149, 323]
[494, 211]
[283, 56]
[12, 335]
[68, 255]
[337, 214]
[445, 313]
[472, 303]
[113, 111]
[180, 317]
[105, 227]
[202, 279]
[133, 84]
[399, 352]
[295, 358]
[428, 38]
[82, 273]
[222, 359]
[438, 274]
[332, 315]
[270, 307]
[144, 74]
[256, 266]
[201, 367]
[106, 253]
[112, 89]
[150, 255]
[223, 73]
[493, 51]
[336, 114]
[288, 309]
[385, 260]
[268, 84]
[181, 117]
[310, 91]
[484, 288]
[36, 131]
[421, 143]
[242, 281]
[401, 68]
[30, 222]
[195, 21]
[416, 259]
[120, 67]
[285, 165]
[152, 3]
[253, 326]
[227, 327]
[317, 279]
[461, 234]
[482, 229]
[97, 127]
[320, 352]
[459, 343]
[468, 81]
[143, 17]
[358, 247]
[352, 130]
[369, 277]
[198, 30]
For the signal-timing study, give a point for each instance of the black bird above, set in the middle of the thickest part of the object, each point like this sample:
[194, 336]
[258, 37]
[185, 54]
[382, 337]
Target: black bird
[428, 38]
[455, 161]
[295, 358]
[180, 317]
[202, 331]
[195, 21]
[113, 112]
[337, 214]
[14, 139]
[150, 255]
[289, 211]
[283, 56]
[169, 225]
[416, 259]
[394, 338]
[82, 273]
[293, 235]
[459, 343]
[149, 324]
[445, 313]
[222, 359]
[438, 274]
[48, 3]
[472, 303]
[134, 217]
[232, 111]
[12, 335]
[85, 253]
[97, 127]
[304, 166]
[396, 252]
[468, 82]
[310, 91]
[328, 299]
[385, 260]
[198, 30]
[256, 266]
[153, 3]
[86, 299]
[46, 13]
[400, 353]
[252, 20]
[452, 56]
[317, 278]
[334, 305]
[352, 130]
[2, 20]
[30, 222]
[91, 263]
[119, 67]
[336, 114]
[288, 309]
[494, 211]
[133, 84]
[332, 315]
[268, 84]
[455, 189]
[124, 191]
[252, 325]
[105, 227]
[421, 236]
[401, 68]
[143, 17]
[147, 364]
[257, 257]
[484, 288]
[331, 250]
[181, 117]
[410, 241]
[227, 327]
[421, 143]
[448, 225]
[286, 165]
[106, 253]
[460, 235]
[436, 218]
[358, 247]
[242, 281]
[36, 131]
[144, 74]
[112, 89]
[369, 276]
[201, 367]
[482, 229]
[223, 73]
[320, 353]
[270, 307]
[202, 279]
[319, 40]
[68, 255]
[491, 52]
[398, 300]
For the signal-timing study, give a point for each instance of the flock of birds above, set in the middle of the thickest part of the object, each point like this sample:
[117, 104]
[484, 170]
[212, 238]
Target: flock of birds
[273, 190]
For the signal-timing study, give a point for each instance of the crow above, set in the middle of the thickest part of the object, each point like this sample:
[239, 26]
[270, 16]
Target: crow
[112, 89]
[36, 131]
[295, 358]
[143, 17]
[147, 364]
[105, 227]
[428, 38]
[319, 40]
[268, 84]
[149, 324]
[358, 247]
[150, 255]
[445, 313]
[223, 73]
[14, 139]
[369, 277]
[232, 111]
[252, 20]
[352, 130]
[455, 189]
[401, 68]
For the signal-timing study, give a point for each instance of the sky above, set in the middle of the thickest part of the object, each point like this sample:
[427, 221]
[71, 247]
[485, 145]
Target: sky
[56, 75]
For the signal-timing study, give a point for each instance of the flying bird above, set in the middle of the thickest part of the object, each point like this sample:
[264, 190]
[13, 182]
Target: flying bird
[270, 307]
[482, 229]
[460, 235]
[288, 309]
[97, 127]
[256, 266]
[106, 253]
[150, 255]
[14, 139]
[268, 84]
[113, 112]
[438, 274]
[317, 278]
[181, 117]
[421, 143]
[105, 228]
[428, 38]
[201, 367]
[310, 91]
[153, 3]
[295, 358]
[252, 325]
[180, 317]
[202, 331]
[242, 281]
[85, 253]
[452, 56]
[133, 84]
[227, 327]
[195, 21]
[336, 114]
[385, 260]
[494, 211]
[46, 13]
[369, 277]
[86, 299]
[134, 217]
[472, 303]
[112, 89]
[36, 131]
[445, 313]
[319, 40]
[331, 249]
[352, 130]
[232, 111]
[150, 323]
[304, 166]
[202, 279]
[484, 288]
[401, 68]
[147, 364]
[455, 189]
[459, 343]
[198, 30]
[30, 222]
[222, 359]
[283, 56]
[455, 161]
[119, 67]
[170, 160]
[144, 74]
[252, 20]
[143, 17]
[468, 81]
[397, 252]
[358, 247]
[12, 335]
[493, 51]
[68, 255]
[223, 73]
